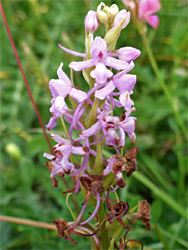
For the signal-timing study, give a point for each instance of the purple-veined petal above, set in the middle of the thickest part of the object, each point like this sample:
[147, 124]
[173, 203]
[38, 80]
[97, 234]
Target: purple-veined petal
[116, 64]
[62, 75]
[128, 126]
[78, 150]
[99, 140]
[101, 73]
[92, 152]
[126, 100]
[125, 82]
[130, 111]
[99, 43]
[94, 212]
[99, 56]
[65, 149]
[67, 166]
[56, 169]
[107, 170]
[59, 104]
[78, 95]
[112, 138]
[59, 87]
[52, 123]
[78, 66]
[91, 131]
[128, 54]
[48, 156]
[72, 52]
[58, 139]
[129, 67]
[122, 137]
[104, 92]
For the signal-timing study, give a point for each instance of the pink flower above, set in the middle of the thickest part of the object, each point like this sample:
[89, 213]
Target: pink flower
[146, 9]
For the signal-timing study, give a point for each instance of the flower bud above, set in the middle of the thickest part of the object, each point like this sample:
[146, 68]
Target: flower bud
[120, 21]
[102, 14]
[91, 21]
[113, 12]
[122, 15]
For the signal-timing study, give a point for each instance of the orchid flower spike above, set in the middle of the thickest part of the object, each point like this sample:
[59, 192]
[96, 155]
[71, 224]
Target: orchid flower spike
[89, 124]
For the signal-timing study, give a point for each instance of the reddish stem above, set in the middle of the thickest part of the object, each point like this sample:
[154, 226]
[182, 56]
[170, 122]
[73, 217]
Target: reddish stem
[24, 77]
[30, 93]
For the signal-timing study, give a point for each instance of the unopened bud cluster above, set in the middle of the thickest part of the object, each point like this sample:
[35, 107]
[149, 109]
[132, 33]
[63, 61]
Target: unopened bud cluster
[93, 125]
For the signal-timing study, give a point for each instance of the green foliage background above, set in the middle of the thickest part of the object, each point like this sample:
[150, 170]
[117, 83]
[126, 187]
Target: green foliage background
[26, 190]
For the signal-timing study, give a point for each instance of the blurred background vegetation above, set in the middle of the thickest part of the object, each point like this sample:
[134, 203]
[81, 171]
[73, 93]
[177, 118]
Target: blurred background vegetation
[26, 190]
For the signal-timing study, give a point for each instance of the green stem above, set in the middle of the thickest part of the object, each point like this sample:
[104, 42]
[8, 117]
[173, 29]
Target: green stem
[162, 83]
[181, 164]
[104, 241]
[98, 166]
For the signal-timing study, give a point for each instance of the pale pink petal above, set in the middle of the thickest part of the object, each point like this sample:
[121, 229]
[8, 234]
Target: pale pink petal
[128, 54]
[112, 138]
[125, 82]
[78, 151]
[91, 131]
[52, 123]
[116, 64]
[78, 66]
[67, 166]
[122, 137]
[59, 104]
[48, 156]
[126, 100]
[62, 76]
[58, 138]
[59, 87]
[98, 43]
[78, 95]
[128, 126]
[101, 73]
[74, 53]
[104, 92]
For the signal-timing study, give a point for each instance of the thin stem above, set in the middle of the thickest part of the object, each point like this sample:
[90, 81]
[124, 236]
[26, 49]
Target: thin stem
[64, 127]
[28, 222]
[30, 93]
[162, 83]
[24, 78]
[72, 198]
[104, 241]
